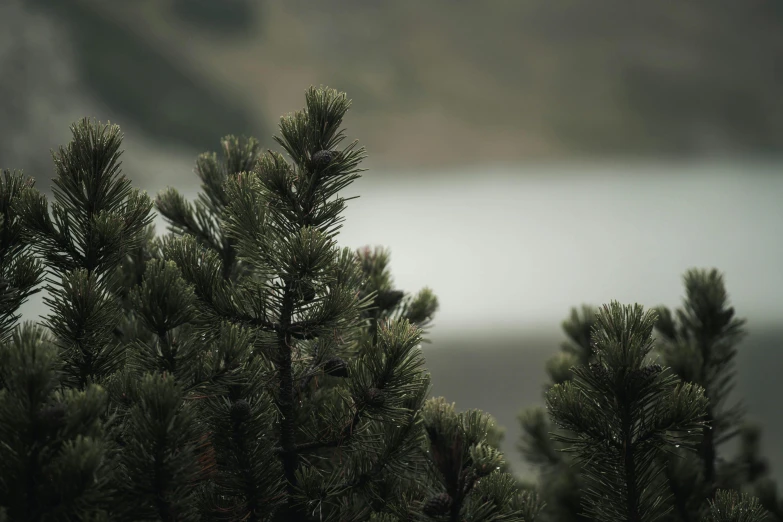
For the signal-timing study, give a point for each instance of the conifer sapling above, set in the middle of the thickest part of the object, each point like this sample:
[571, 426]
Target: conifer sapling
[624, 414]
[242, 368]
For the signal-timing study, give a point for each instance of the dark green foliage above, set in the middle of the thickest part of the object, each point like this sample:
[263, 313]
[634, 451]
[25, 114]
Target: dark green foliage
[96, 218]
[128, 275]
[158, 466]
[20, 271]
[697, 348]
[730, 506]
[245, 367]
[249, 368]
[51, 439]
[468, 482]
[623, 415]
[699, 342]
[202, 220]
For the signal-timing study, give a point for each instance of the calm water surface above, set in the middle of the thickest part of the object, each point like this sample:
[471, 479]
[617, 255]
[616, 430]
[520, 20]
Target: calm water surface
[515, 249]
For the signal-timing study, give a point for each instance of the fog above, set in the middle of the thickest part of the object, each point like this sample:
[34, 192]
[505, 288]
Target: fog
[505, 249]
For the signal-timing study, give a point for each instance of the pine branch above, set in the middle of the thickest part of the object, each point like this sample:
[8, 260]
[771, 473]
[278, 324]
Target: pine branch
[729, 506]
[203, 219]
[700, 343]
[20, 272]
[96, 218]
[467, 471]
[158, 467]
[623, 416]
[51, 440]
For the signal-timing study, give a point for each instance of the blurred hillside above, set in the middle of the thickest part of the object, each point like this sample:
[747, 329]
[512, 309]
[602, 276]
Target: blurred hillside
[434, 84]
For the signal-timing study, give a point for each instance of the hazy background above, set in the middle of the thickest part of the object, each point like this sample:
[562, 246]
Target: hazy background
[525, 156]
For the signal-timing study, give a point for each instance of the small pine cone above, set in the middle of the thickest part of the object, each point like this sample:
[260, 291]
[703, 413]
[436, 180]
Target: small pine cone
[471, 476]
[652, 370]
[647, 372]
[375, 397]
[322, 158]
[437, 505]
[641, 376]
[389, 299]
[240, 411]
[3, 285]
[483, 470]
[600, 371]
[336, 367]
[53, 417]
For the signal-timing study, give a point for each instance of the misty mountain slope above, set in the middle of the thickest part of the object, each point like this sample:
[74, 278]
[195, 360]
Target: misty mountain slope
[447, 83]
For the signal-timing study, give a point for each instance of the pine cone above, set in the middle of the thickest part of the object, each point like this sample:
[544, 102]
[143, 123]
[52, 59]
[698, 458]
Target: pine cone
[322, 158]
[437, 505]
[375, 397]
[389, 299]
[600, 371]
[641, 376]
[336, 367]
[240, 411]
[651, 371]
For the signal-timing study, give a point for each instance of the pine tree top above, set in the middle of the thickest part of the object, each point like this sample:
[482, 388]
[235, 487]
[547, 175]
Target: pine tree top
[242, 367]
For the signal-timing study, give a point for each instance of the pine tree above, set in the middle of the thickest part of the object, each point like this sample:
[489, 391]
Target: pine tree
[282, 225]
[243, 367]
[20, 271]
[52, 444]
[621, 414]
[699, 342]
[55, 409]
[96, 217]
[705, 310]
[468, 481]
[300, 302]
